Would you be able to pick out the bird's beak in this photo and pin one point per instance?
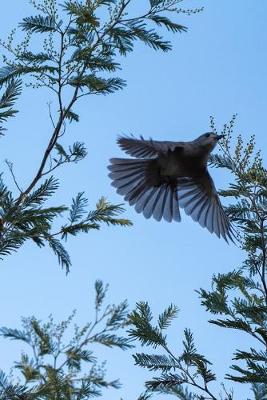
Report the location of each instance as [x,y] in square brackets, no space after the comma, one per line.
[218,137]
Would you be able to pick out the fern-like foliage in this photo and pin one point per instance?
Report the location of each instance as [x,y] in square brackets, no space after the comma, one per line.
[167,23]
[82,221]
[259,391]
[31,220]
[97,85]
[77,54]
[60,357]
[239,298]
[174,372]
[167,316]
[39,23]
[13,391]
[14,71]
[241,305]
[75,153]
[93,39]
[7,101]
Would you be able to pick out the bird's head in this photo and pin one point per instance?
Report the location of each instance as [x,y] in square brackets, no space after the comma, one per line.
[208,140]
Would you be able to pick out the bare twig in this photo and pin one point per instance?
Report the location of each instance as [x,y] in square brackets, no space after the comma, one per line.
[10,167]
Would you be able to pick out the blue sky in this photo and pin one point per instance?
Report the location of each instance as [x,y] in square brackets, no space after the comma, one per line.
[218,68]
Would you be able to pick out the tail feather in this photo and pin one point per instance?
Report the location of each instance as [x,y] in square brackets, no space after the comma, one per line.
[124,185]
[143,199]
[147,206]
[168,207]
[137,192]
[129,177]
[123,174]
[160,203]
[175,206]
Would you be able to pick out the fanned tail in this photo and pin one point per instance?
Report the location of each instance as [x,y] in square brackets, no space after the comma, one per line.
[130,177]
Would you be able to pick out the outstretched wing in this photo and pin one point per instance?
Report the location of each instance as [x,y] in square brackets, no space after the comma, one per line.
[199,199]
[141,148]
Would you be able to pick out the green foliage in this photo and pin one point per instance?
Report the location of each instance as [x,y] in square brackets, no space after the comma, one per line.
[237,299]
[7,101]
[82,221]
[241,295]
[14,71]
[72,116]
[88,43]
[77,152]
[167,23]
[76,55]
[39,23]
[52,367]
[259,391]
[167,316]
[187,368]
[142,328]
[30,220]
[97,85]
[10,391]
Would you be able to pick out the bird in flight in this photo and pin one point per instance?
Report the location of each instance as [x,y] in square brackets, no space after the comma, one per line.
[164,176]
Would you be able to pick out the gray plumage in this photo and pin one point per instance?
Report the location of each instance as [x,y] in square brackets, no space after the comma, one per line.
[164,176]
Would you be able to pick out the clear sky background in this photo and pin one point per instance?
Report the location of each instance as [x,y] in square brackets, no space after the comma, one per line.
[218,68]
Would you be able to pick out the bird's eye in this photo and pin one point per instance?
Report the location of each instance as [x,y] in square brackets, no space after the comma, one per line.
[207,134]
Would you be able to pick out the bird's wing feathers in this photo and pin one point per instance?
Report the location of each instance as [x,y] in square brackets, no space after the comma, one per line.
[141,148]
[199,199]
[197,196]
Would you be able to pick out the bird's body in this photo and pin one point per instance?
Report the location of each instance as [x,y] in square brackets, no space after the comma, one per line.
[182,161]
[166,175]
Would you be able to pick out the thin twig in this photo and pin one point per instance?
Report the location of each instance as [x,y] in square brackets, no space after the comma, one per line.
[191,381]
[10,167]
[50,114]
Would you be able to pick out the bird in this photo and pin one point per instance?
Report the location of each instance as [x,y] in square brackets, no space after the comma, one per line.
[163,176]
